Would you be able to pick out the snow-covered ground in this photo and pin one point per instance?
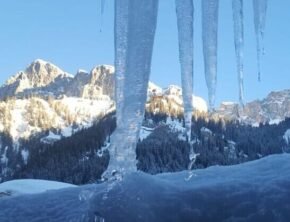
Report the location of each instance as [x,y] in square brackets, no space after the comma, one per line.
[145,132]
[30,186]
[255,191]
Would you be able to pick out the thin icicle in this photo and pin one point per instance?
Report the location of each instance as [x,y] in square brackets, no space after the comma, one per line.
[184,12]
[142,19]
[103,2]
[238,17]
[209,35]
[260,9]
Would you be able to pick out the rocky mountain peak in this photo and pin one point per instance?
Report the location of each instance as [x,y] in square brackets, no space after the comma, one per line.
[100,72]
[102,82]
[41,73]
[272,109]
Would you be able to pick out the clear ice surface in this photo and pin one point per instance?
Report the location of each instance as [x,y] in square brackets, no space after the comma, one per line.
[209,36]
[238,18]
[260,9]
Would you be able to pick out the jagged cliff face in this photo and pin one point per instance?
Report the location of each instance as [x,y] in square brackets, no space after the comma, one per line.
[39,74]
[45,79]
[273,109]
[101,82]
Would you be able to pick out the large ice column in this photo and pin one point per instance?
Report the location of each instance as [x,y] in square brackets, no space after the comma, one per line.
[121,46]
[238,17]
[142,19]
[184,13]
[209,36]
[260,9]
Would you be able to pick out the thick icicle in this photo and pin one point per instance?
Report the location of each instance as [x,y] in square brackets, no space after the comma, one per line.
[184,13]
[260,9]
[121,46]
[142,19]
[209,35]
[238,17]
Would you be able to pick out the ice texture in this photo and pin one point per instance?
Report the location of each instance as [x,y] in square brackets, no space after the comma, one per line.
[249,192]
[209,36]
[137,54]
[121,46]
[238,18]
[260,9]
[184,13]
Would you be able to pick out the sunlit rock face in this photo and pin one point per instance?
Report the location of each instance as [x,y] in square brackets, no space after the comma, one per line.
[273,109]
[45,79]
[41,73]
[38,74]
[101,82]
[169,100]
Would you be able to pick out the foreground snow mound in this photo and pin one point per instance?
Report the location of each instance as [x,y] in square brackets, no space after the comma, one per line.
[254,191]
[29,186]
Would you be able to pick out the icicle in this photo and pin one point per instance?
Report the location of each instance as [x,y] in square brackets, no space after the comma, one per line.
[121,46]
[102,13]
[142,19]
[184,12]
[238,17]
[103,6]
[209,35]
[260,9]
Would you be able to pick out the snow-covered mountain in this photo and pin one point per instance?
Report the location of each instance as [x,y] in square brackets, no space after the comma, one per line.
[273,109]
[44,79]
[39,74]
[169,100]
[43,97]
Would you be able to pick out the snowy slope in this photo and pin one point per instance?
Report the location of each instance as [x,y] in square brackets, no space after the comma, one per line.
[29,186]
[171,99]
[29,116]
[250,192]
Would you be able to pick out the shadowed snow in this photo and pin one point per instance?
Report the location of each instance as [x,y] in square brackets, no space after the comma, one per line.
[254,191]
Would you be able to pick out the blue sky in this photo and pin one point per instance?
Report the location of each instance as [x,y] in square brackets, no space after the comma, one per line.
[67,33]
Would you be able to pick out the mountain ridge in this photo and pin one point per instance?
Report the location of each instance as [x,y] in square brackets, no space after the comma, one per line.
[44,79]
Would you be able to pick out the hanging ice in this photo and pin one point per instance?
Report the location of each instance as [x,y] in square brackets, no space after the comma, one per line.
[260,9]
[209,35]
[184,13]
[142,17]
[102,13]
[121,46]
[103,6]
[238,17]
